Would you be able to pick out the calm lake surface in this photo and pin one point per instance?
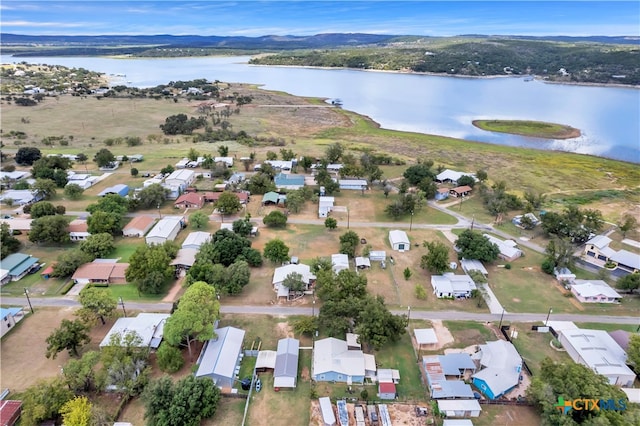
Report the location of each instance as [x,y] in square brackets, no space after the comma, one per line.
[609,117]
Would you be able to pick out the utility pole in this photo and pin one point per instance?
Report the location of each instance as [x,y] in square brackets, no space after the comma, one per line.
[121,302]
[26,293]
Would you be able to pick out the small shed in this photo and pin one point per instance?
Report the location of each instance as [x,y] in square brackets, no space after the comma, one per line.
[386,391]
[378,255]
[459,407]
[399,240]
[363,262]
[328,416]
[285,373]
[425,336]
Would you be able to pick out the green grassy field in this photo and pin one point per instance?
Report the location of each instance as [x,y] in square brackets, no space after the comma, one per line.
[533,347]
[537,129]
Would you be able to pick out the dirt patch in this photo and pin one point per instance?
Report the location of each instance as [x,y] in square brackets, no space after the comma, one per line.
[444,335]
[515,299]
[305,374]
[401,414]
[22,352]
[283,330]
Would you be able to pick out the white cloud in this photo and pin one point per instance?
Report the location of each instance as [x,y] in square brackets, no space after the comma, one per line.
[45,24]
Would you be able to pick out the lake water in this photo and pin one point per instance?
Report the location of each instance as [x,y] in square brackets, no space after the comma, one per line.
[609,117]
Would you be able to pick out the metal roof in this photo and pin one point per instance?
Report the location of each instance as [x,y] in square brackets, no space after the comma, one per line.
[220,355]
[286,368]
[592,288]
[18,263]
[326,409]
[396,236]
[149,326]
[502,365]
[196,239]
[425,336]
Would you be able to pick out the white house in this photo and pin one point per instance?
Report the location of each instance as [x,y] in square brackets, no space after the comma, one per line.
[165,230]
[196,239]
[399,240]
[598,248]
[282,272]
[594,291]
[220,357]
[182,163]
[353,184]
[451,176]
[450,285]
[333,360]
[339,262]
[228,161]
[20,197]
[597,350]
[459,407]
[325,205]
[508,248]
[280,164]
[182,178]
[149,326]
[8,318]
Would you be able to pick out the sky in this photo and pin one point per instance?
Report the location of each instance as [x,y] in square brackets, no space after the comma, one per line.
[256,18]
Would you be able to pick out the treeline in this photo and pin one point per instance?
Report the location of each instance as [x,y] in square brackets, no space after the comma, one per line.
[582,63]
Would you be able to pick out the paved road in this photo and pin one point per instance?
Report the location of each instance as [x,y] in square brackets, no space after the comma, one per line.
[288,311]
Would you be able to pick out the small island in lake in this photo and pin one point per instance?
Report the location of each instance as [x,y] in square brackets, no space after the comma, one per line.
[535,129]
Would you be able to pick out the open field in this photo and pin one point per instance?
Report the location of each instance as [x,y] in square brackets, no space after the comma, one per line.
[508,415]
[533,347]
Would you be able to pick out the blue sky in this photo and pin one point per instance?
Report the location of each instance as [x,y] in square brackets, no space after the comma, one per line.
[256,18]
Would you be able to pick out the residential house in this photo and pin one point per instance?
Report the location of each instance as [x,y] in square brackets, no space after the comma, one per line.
[325,206]
[196,239]
[280,164]
[451,176]
[449,285]
[282,272]
[191,200]
[227,161]
[181,178]
[442,194]
[20,197]
[101,271]
[165,230]
[285,373]
[17,266]
[533,220]
[339,262]
[463,408]
[501,366]
[399,240]
[23,225]
[508,248]
[119,189]
[152,181]
[457,364]
[597,350]
[78,230]
[598,248]
[83,180]
[353,184]
[8,179]
[333,168]
[594,291]
[138,226]
[236,178]
[274,198]
[439,386]
[388,375]
[334,361]
[8,318]
[148,326]
[182,164]
[461,191]
[185,258]
[469,265]
[220,357]
[110,167]
[284,181]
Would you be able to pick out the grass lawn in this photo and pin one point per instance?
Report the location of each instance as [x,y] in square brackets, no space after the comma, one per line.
[533,347]
[401,356]
[608,327]
[125,247]
[492,415]
[467,333]
[538,129]
[130,292]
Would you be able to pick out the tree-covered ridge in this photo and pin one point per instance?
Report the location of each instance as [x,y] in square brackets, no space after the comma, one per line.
[555,61]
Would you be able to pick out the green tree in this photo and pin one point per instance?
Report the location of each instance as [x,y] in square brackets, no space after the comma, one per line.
[276,251]
[346,283]
[69,261]
[60,178]
[45,188]
[330,223]
[305,325]
[49,229]
[198,219]
[42,208]
[294,282]
[474,245]
[104,157]
[101,222]
[275,219]
[169,358]
[98,245]
[261,183]
[334,152]
[149,268]
[482,175]
[8,243]
[228,203]
[271,156]
[416,173]
[633,352]
[26,156]
[124,359]
[406,273]
[243,227]
[193,155]
[348,243]
[295,201]
[436,260]
[96,303]
[467,180]
[111,203]
[223,150]
[152,196]
[70,336]
[77,412]
[134,172]
[187,402]
[573,381]
[376,325]
[628,223]
[560,252]
[80,375]
[238,275]
[73,191]
[43,401]
[197,311]
[630,282]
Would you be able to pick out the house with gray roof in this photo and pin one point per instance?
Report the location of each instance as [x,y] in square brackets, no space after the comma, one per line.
[594,291]
[451,176]
[469,265]
[598,248]
[196,239]
[8,318]
[148,326]
[339,262]
[18,265]
[353,184]
[501,366]
[279,274]
[508,248]
[220,357]
[333,361]
[450,285]
[165,230]
[20,197]
[285,373]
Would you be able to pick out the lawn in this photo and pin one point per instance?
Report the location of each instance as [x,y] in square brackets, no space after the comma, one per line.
[125,247]
[507,415]
[467,333]
[129,292]
[534,347]
[609,327]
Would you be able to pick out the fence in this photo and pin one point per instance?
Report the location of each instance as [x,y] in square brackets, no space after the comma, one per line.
[504,329]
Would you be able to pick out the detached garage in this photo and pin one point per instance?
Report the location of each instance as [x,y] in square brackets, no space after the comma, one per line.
[399,240]
[285,374]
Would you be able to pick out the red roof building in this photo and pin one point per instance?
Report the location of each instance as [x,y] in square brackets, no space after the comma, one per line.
[190,200]
[10,411]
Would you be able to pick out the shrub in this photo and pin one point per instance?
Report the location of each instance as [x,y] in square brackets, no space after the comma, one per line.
[421,293]
[169,358]
[507,266]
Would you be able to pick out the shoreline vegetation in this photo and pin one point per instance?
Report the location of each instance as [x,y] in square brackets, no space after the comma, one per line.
[534,129]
